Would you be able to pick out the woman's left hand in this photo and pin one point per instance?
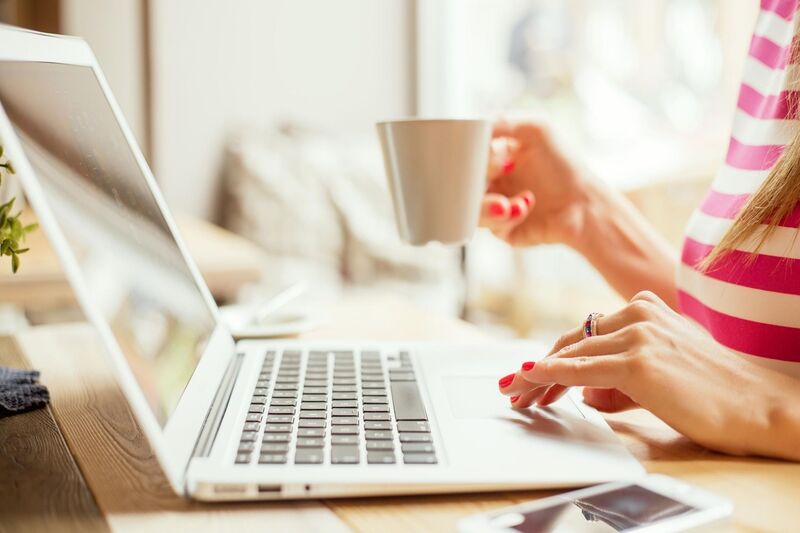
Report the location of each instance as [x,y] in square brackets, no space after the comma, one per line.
[647,355]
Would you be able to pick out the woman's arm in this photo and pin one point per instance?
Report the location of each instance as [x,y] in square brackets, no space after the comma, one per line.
[622,245]
[536,195]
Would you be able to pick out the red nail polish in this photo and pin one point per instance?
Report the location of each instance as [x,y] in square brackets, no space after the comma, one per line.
[527,199]
[496,209]
[514,399]
[516,211]
[506,381]
[508,167]
[528,365]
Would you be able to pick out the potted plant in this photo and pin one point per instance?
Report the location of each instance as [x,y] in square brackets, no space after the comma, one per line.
[12,232]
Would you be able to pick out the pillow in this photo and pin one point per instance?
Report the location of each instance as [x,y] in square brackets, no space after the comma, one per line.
[321,209]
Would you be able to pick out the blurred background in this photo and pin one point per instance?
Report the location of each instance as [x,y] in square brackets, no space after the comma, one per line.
[258,116]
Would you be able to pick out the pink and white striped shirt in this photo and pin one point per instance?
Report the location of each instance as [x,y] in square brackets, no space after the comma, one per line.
[752,308]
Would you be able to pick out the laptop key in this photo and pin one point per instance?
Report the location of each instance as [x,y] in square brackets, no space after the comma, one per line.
[272,459]
[344,439]
[251,426]
[274,410]
[314,397]
[278,428]
[412,426]
[316,383]
[247,447]
[274,447]
[380,457]
[344,421]
[344,455]
[311,432]
[407,401]
[283,401]
[373,385]
[375,408]
[344,412]
[280,419]
[374,392]
[375,400]
[419,459]
[415,437]
[253,417]
[380,445]
[276,437]
[256,408]
[378,435]
[313,414]
[284,394]
[378,425]
[242,458]
[345,388]
[344,430]
[286,386]
[314,406]
[310,442]
[417,447]
[376,417]
[248,436]
[258,399]
[260,391]
[345,396]
[316,390]
[308,456]
[264,383]
[352,404]
[312,423]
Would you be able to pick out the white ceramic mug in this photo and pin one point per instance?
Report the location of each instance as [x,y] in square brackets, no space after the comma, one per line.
[437,176]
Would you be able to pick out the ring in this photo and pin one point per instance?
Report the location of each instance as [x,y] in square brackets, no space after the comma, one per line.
[590,325]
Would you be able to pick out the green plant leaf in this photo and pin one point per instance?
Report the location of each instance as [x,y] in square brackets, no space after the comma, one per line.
[30,227]
[14,263]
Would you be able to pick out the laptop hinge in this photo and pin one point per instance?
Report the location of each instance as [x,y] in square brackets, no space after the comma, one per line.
[213,420]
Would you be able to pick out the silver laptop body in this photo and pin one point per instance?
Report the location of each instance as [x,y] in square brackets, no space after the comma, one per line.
[260,419]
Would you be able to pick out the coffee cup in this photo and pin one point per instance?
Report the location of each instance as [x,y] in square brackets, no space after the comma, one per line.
[436,170]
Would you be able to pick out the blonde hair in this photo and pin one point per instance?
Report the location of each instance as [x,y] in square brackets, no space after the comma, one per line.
[774,200]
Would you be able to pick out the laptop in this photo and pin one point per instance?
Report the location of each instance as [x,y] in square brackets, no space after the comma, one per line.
[260,419]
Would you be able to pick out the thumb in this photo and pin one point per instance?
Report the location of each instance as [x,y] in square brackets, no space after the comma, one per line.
[608,400]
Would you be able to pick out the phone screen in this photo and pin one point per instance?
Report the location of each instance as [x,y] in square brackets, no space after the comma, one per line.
[620,509]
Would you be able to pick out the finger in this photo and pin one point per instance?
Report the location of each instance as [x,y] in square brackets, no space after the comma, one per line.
[519,208]
[552,395]
[609,371]
[606,324]
[612,343]
[502,156]
[608,400]
[495,212]
[526,399]
[515,385]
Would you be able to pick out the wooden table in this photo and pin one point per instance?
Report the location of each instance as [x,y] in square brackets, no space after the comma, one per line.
[118,484]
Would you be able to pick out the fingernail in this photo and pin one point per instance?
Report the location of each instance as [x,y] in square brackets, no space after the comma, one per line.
[515,211]
[527,199]
[506,381]
[496,209]
[508,167]
[514,399]
[528,365]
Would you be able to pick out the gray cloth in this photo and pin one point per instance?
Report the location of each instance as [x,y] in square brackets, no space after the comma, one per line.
[20,392]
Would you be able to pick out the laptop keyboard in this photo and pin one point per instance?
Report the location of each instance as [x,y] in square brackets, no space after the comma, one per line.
[336,407]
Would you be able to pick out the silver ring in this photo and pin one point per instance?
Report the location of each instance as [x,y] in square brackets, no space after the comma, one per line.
[590,325]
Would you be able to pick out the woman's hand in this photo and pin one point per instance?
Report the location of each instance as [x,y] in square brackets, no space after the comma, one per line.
[647,355]
[534,194]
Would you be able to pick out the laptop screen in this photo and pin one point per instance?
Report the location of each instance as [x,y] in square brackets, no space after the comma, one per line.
[136,275]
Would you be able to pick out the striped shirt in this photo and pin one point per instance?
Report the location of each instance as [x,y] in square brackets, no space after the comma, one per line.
[752,308]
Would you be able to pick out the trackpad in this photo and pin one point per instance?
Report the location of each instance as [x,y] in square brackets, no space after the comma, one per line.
[473,397]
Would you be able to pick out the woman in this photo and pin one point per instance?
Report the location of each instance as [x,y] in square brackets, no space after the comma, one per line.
[715,353]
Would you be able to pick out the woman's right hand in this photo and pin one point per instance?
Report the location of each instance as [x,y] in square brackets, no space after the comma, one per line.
[534,194]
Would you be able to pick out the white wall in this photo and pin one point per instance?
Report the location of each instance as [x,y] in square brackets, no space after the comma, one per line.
[338,65]
[114,31]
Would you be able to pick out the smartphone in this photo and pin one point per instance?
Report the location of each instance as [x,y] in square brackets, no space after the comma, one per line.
[652,504]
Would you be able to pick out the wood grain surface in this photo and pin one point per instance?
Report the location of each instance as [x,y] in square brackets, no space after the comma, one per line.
[42,488]
[131,491]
